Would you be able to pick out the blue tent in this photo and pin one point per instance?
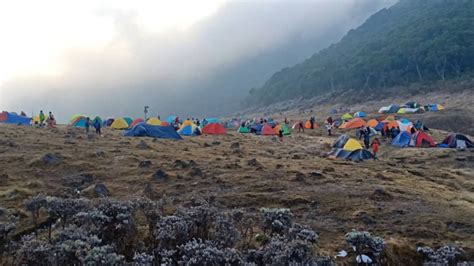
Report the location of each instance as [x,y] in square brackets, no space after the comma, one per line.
[189,130]
[257,128]
[402,140]
[212,120]
[360,114]
[379,126]
[393,108]
[359,155]
[340,153]
[12,118]
[129,120]
[146,130]
[170,119]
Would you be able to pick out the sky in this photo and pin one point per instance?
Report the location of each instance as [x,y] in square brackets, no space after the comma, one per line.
[112,57]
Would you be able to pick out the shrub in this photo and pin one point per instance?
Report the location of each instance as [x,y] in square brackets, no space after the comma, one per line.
[198,252]
[365,244]
[277,220]
[34,205]
[443,255]
[8,225]
[34,252]
[64,209]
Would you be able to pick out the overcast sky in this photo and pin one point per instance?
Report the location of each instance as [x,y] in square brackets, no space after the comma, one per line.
[113,57]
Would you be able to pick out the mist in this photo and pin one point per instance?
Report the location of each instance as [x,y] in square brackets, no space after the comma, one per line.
[205,69]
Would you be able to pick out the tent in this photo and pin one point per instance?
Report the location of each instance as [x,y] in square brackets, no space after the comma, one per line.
[256,128]
[284,128]
[359,155]
[129,120]
[421,139]
[74,117]
[384,109]
[354,123]
[339,153]
[402,140]
[211,120]
[164,124]
[267,130]
[119,123]
[145,130]
[137,121]
[97,118]
[187,122]
[341,141]
[435,107]
[36,119]
[352,145]
[189,130]
[405,125]
[11,118]
[153,121]
[243,130]
[453,140]
[346,116]
[390,118]
[79,121]
[401,111]
[372,123]
[296,126]
[412,104]
[391,124]
[108,122]
[360,114]
[214,129]
[393,108]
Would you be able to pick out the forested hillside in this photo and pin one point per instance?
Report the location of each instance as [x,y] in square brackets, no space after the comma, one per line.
[414,41]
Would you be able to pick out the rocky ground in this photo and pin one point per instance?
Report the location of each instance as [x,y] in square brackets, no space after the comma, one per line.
[410,196]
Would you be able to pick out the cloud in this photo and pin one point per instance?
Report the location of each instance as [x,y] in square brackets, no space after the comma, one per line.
[170,70]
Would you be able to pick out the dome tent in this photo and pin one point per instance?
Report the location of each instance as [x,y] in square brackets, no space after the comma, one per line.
[214,129]
[119,123]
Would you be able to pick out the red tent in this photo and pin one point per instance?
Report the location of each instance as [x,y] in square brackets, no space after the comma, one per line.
[137,121]
[165,124]
[268,130]
[215,129]
[421,139]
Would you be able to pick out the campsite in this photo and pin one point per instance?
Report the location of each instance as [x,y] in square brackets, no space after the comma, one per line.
[410,195]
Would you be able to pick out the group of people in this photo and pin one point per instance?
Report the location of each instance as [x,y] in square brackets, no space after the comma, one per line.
[50,121]
[96,123]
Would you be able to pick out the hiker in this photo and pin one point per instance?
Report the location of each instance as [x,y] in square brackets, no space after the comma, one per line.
[51,120]
[23,113]
[412,130]
[387,132]
[361,133]
[301,126]
[375,147]
[97,126]
[286,121]
[329,128]
[42,118]
[311,121]
[280,134]
[88,124]
[367,138]
[329,120]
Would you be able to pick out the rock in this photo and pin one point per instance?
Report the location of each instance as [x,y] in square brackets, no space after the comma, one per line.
[254,162]
[235,145]
[297,157]
[216,143]
[100,153]
[192,163]
[279,166]
[195,172]
[69,141]
[143,145]
[328,169]
[300,177]
[160,175]
[91,136]
[4,178]
[206,145]
[381,194]
[51,159]
[316,174]
[367,219]
[144,164]
[460,159]
[180,164]
[101,190]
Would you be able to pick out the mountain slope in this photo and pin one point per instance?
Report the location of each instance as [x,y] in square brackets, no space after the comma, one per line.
[412,41]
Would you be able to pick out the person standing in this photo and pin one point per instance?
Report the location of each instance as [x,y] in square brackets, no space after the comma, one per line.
[42,118]
[311,121]
[88,124]
[375,147]
[366,138]
[280,134]
[329,128]
[301,126]
[97,126]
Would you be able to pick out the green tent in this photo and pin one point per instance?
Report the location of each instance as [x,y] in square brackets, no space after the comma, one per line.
[346,116]
[286,130]
[243,130]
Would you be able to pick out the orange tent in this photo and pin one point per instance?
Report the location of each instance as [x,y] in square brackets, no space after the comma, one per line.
[354,123]
[372,123]
[390,124]
[268,130]
[165,124]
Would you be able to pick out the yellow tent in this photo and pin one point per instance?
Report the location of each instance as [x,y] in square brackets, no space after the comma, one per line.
[119,123]
[352,145]
[401,111]
[154,121]
[440,107]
